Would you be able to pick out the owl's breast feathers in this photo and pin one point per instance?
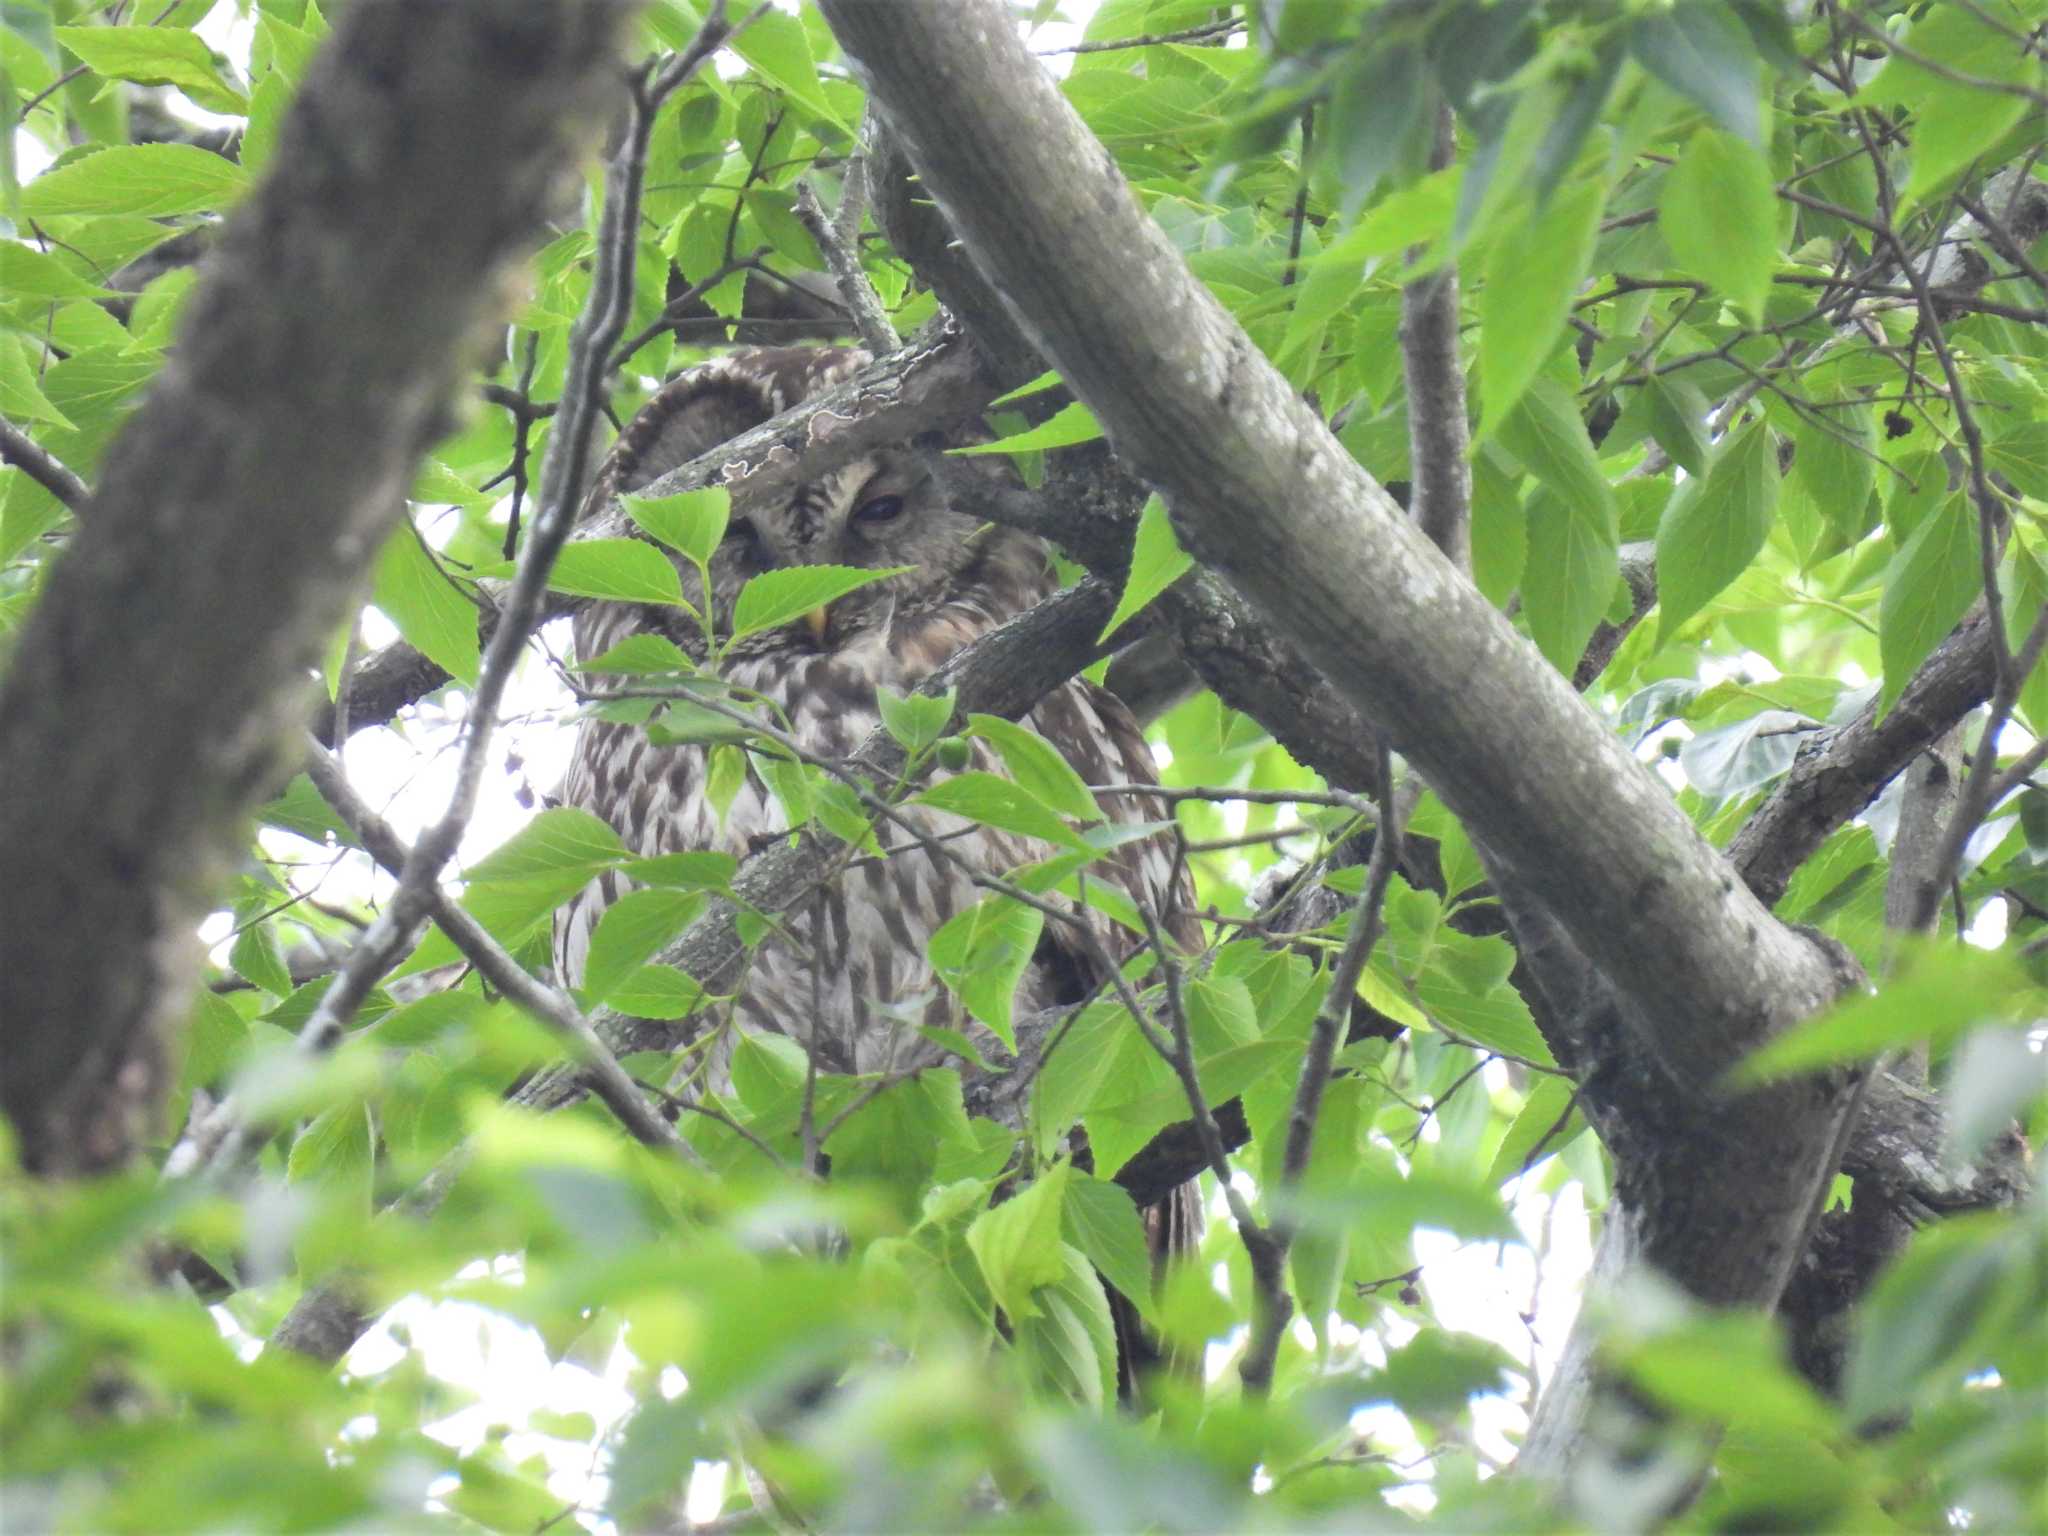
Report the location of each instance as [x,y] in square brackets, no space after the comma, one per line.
[846,969]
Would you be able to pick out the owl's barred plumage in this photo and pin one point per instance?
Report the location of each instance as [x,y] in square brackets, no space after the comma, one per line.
[968,578]
[856,982]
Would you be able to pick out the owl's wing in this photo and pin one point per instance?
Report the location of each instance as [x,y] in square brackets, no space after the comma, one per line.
[1096,734]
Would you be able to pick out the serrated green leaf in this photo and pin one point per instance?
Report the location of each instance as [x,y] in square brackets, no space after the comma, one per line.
[419,598]
[1714,525]
[564,840]
[641,655]
[1017,1244]
[632,931]
[981,955]
[258,957]
[1157,562]
[1072,423]
[27,273]
[996,802]
[150,55]
[1037,766]
[1719,216]
[1547,1120]
[153,179]
[2020,453]
[1068,1340]
[1837,466]
[1099,1219]
[21,397]
[702,869]
[690,522]
[1945,991]
[623,570]
[1700,50]
[775,598]
[915,720]
[658,992]
[1954,121]
[1928,587]
[1532,277]
[774,42]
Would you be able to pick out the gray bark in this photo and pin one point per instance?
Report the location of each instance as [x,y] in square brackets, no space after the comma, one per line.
[1264,496]
[235,518]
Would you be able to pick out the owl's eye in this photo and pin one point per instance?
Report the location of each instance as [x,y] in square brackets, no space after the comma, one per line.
[741,531]
[882,509]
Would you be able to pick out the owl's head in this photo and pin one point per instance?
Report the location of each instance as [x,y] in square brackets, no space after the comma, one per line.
[886,509]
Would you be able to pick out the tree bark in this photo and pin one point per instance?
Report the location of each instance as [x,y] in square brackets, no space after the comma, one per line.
[156,695]
[1264,496]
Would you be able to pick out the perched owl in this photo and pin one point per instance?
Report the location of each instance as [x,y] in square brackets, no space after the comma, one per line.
[872,984]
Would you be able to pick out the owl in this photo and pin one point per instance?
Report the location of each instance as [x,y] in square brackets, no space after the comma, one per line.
[852,982]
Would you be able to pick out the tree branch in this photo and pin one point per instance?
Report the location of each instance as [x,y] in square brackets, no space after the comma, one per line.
[143,717]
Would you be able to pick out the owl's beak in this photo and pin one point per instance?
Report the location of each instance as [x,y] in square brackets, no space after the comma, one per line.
[817,621]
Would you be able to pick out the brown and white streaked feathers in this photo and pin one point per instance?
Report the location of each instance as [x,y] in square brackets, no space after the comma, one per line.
[881,511]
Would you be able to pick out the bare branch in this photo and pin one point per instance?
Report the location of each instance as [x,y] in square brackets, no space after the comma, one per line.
[42,466]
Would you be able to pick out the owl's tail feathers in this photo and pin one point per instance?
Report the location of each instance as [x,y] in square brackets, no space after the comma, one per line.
[1173,1233]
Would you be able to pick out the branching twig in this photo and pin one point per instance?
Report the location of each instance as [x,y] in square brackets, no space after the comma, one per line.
[843,257]
[1325,1036]
[606,1078]
[562,478]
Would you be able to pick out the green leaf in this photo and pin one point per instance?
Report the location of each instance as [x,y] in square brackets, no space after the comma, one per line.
[153,179]
[702,869]
[563,840]
[641,655]
[996,802]
[1957,1287]
[425,605]
[775,43]
[623,570]
[27,273]
[1677,415]
[1700,50]
[1928,587]
[333,1149]
[1947,989]
[1547,1120]
[1953,121]
[915,720]
[155,56]
[658,992]
[1068,1339]
[1100,1220]
[1017,1244]
[1836,464]
[774,598]
[632,931]
[1719,216]
[724,772]
[1532,276]
[1157,562]
[258,957]
[1573,564]
[2021,455]
[21,397]
[981,955]
[1037,766]
[690,522]
[1070,424]
[1714,526]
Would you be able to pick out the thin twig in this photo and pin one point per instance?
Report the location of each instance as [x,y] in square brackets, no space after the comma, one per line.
[625,1098]
[869,317]
[42,466]
[563,474]
[1255,1370]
